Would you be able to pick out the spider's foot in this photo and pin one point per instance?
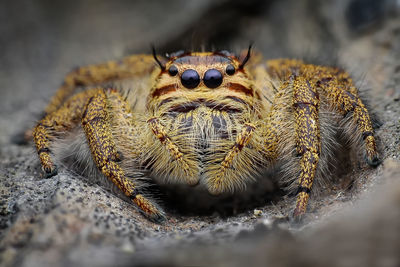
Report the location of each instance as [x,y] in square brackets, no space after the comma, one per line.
[296,219]
[49,168]
[148,209]
[298,215]
[374,161]
[158,218]
[303,194]
[371,154]
[50,171]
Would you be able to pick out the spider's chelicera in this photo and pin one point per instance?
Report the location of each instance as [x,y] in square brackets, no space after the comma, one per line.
[205,118]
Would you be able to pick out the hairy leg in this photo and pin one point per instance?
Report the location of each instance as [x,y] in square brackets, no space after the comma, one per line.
[339,88]
[55,123]
[220,179]
[188,166]
[343,95]
[308,143]
[96,124]
[128,67]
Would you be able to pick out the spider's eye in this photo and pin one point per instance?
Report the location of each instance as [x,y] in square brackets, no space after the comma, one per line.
[230,69]
[173,70]
[212,78]
[190,78]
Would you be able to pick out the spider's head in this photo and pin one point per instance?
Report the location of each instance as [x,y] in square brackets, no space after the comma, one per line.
[203,75]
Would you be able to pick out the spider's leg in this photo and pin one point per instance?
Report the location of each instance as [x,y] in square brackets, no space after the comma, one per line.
[128,67]
[96,124]
[221,180]
[343,95]
[55,123]
[191,176]
[308,143]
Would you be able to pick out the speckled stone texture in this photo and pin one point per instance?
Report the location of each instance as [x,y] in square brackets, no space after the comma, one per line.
[72,221]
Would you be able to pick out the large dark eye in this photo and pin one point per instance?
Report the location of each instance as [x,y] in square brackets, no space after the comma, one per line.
[190,79]
[230,69]
[173,70]
[212,78]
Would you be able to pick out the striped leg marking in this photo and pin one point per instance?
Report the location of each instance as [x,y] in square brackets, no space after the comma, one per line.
[220,182]
[191,176]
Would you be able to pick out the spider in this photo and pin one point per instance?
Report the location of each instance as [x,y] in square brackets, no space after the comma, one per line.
[211,119]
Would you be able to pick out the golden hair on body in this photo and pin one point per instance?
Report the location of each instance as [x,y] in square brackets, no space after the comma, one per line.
[206,119]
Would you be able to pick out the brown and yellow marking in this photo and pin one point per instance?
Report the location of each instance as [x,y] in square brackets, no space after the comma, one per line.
[95,122]
[308,143]
[164,90]
[217,183]
[241,141]
[343,95]
[240,88]
[168,86]
[61,120]
[128,67]
[249,94]
[158,130]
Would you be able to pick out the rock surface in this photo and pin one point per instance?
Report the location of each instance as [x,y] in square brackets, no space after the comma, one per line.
[67,220]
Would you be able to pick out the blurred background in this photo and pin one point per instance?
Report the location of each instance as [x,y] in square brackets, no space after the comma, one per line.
[64,221]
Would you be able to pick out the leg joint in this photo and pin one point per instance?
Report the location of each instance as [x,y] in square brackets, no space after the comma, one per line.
[133,194]
[303,189]
[366,134]
[43,150]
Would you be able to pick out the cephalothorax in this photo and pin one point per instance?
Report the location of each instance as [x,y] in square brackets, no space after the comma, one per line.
[205,119]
